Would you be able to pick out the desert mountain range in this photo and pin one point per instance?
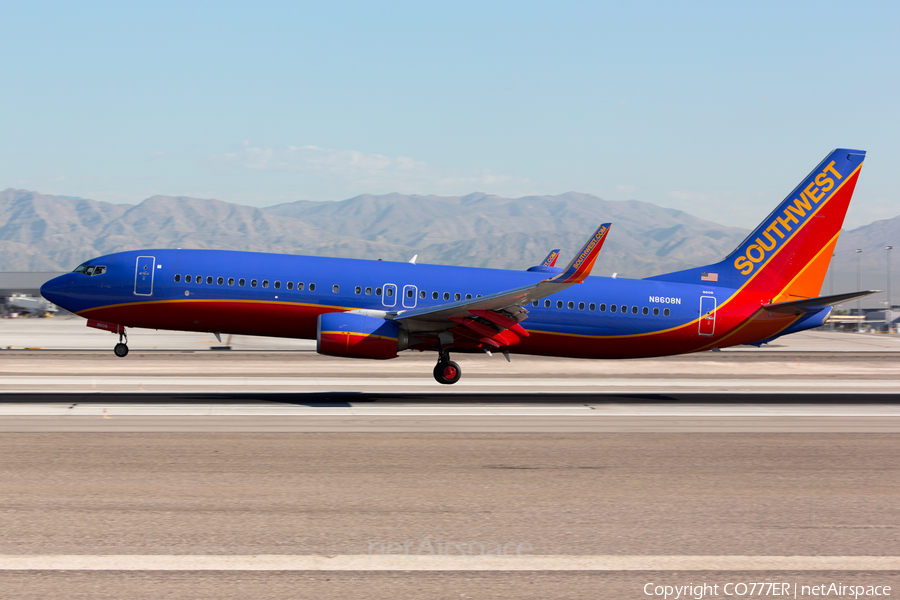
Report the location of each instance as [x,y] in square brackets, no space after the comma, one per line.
[41,232]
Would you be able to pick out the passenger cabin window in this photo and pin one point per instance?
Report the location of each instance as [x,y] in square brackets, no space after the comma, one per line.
[592,306]
[603,308]
[312,287]
[220,280]
[209,280]
[300,286]
[265,283]
[187,278]
[535,303]
[335,288]
[252,283]
[368,291]
[434,295]
[559,304]
[456,297]
[581,306]
[377,291]
[655,311]
[357,290]
[422,294]
[546,304]
[645,311]
[198,278]
[409,293]
[624,309]
[389,292]
[290,285]
[277,285]
[446,295]
[242,281]
[177,278]
[468,296]
[634,310]
[231,281]
[666,312]
[571,305]
[612,308]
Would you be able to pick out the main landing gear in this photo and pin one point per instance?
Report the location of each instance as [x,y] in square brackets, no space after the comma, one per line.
[446,371]
[121,349]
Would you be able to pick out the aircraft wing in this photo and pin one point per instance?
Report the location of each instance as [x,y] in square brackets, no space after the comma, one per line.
[796,307]
[504,309]
[550,261]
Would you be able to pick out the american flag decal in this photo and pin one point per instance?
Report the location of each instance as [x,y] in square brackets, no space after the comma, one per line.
[709,276]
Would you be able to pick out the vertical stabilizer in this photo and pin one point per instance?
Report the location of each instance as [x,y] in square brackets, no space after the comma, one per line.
[787,255]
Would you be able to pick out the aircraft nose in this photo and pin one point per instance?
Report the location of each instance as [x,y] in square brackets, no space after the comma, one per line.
[54,290]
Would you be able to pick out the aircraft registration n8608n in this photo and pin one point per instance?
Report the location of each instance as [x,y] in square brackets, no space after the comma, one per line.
[767,287]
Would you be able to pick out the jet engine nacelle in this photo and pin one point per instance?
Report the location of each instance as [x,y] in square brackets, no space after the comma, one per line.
[357,335]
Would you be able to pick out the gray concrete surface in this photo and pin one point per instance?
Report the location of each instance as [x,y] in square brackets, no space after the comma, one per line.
[61,333]
[746,455]
[567,494]
[459,413]
[81,371]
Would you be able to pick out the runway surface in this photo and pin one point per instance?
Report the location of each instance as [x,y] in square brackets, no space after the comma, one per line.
[806,508]
[263,474]
[460,413]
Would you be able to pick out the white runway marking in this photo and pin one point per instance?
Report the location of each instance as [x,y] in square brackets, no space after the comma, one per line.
[68,384]
[96,407]
[280,562]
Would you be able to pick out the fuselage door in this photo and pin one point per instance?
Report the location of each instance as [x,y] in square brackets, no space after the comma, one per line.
[143,275]
[389,297]
[707,315]
[409,296]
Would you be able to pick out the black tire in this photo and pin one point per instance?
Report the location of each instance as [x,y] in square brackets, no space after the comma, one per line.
[121,350]
[447,372]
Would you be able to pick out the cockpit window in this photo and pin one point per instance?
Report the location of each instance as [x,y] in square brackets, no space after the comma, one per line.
[90,270]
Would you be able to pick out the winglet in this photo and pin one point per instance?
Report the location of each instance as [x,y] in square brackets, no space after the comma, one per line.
[581,265]
[550,261]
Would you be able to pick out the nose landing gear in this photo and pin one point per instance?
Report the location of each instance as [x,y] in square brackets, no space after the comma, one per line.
[446,371]
[121,349]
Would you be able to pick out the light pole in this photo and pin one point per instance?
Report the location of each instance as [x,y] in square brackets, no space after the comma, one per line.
[889,314]
[858,288]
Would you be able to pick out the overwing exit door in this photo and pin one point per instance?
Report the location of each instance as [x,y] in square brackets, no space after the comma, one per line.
[707,315]
[143,275]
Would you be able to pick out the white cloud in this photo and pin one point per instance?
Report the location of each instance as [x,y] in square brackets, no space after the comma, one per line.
[369,172]
[628,189]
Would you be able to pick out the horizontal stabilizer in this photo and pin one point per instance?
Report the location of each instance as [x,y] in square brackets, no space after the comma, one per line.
[813,304]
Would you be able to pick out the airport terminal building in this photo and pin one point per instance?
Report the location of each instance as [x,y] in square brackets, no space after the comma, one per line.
[20,292]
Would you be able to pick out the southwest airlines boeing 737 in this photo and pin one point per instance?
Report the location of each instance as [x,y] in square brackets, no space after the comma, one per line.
[767,287]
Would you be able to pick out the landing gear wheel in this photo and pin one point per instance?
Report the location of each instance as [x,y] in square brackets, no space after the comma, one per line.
[447,372]
[121,350]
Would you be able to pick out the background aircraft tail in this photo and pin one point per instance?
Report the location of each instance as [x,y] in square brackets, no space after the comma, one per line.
[787,255]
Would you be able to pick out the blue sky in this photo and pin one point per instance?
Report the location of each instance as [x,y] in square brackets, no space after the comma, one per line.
[715,108]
